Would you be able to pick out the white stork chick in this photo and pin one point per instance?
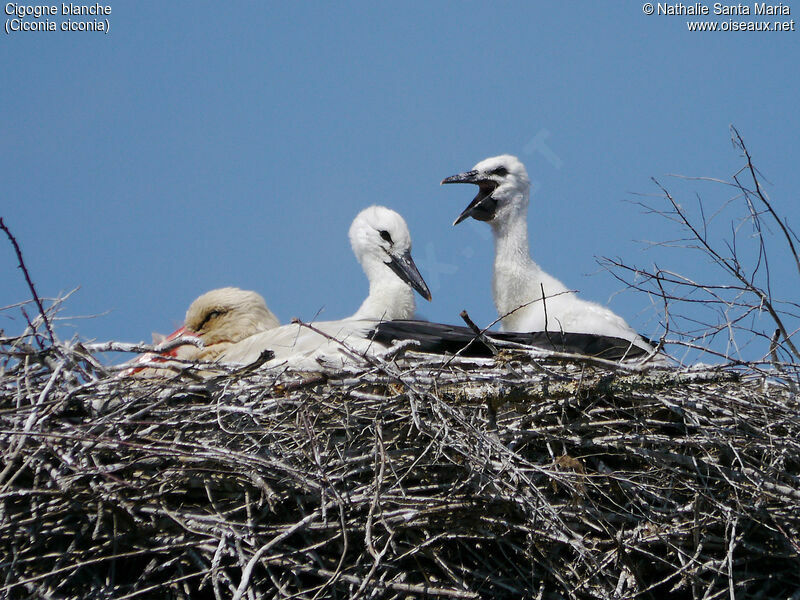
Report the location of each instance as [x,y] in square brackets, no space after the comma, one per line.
[223,317]
[219,318]
[517,283]
[382,244]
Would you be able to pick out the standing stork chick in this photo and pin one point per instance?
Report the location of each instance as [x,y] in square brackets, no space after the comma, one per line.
[517,283]
[382,244]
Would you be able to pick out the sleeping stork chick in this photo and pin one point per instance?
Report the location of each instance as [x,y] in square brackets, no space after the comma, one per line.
[219,318]
[223,317]
[382,244]
[517,283]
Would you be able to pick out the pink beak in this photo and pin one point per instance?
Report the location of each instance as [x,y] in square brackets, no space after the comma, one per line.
[151,357]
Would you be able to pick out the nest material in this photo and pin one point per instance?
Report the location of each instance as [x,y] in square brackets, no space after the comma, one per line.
[424,477]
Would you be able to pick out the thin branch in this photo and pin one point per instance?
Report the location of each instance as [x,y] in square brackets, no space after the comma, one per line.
[22,266]
[759,192]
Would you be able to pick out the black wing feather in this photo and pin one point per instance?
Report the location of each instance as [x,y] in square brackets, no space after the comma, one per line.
[439,338]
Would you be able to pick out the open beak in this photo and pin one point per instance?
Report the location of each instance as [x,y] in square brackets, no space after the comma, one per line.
[405,269]
[468,177]
[483,206]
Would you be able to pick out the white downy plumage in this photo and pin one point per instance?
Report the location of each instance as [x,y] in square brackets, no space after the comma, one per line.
[382,244]
[225,316]
[219,318]
[518,281]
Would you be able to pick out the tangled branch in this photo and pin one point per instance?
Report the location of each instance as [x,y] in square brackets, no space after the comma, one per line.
[416,476]
[745,290]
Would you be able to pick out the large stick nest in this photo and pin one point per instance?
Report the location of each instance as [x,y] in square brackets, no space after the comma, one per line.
[421,477]
[418,477]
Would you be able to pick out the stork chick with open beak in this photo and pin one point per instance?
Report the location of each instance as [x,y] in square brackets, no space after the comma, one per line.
[502,201]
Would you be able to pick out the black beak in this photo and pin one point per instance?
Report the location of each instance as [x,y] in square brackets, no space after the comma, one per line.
[405,269]
[468,177]
[483,206]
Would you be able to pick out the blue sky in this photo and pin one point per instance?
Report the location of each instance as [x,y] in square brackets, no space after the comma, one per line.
[202,144]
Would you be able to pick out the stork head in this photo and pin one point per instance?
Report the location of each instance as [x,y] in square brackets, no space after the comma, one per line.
[229,315]
[382,243]
[503,188]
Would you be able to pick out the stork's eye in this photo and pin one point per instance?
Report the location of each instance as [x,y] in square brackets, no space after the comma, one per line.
[212,315]
[502,171]
[385,235]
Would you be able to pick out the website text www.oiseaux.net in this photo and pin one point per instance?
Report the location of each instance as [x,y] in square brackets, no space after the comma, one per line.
[731,25]
[730,15]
